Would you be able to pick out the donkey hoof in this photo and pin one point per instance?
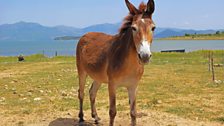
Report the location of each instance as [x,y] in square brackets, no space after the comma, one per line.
[81,120]
[97,119]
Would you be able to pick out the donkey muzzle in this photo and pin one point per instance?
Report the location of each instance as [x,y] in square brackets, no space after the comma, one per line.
[145,58]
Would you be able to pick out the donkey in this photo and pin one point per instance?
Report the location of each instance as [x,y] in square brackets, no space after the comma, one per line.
[117,60]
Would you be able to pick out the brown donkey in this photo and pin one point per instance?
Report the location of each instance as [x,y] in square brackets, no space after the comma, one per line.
[117,60]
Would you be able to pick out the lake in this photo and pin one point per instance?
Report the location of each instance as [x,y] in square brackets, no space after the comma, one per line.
[49,48]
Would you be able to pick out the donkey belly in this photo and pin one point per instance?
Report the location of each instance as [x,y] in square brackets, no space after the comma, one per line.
[99,76]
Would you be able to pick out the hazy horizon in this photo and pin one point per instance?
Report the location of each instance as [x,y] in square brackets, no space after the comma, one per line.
[222,29]
[191,14]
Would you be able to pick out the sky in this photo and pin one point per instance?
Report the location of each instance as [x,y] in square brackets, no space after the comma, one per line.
[187,14]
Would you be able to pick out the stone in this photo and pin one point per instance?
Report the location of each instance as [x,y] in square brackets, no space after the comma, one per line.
[2,99]
[37,99]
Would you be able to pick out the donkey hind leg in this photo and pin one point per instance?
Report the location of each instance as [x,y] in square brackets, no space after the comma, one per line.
[132,101]
[82,80]
[92,95]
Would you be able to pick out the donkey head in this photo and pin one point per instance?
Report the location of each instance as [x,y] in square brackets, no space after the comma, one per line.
[142,27]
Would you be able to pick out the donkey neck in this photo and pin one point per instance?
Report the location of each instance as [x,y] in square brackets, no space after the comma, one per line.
[121,49]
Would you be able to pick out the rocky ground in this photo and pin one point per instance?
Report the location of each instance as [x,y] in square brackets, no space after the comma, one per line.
[145,118]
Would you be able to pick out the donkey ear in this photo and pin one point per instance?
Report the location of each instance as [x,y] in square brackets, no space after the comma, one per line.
[150,8]
[132,9]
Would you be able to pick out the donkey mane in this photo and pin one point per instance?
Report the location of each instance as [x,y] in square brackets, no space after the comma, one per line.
[127,22]
[119,48]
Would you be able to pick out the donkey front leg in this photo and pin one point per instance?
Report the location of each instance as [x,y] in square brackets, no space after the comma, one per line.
[92,94]
[112,99]
[132,101]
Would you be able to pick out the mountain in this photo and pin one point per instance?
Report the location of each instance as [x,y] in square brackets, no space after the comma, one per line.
[169,32]
[107,28]
[25,31]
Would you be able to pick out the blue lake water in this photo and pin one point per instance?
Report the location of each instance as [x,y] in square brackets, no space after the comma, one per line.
[49,48]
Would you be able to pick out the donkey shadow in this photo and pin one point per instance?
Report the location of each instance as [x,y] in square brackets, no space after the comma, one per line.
[71,122]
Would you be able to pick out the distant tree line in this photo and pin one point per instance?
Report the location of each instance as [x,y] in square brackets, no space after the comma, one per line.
[67,38]
[195,34]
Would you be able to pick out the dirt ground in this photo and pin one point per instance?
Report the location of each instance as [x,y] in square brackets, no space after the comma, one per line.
[145,118]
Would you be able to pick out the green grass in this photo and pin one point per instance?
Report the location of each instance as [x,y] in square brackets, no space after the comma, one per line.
[177,83]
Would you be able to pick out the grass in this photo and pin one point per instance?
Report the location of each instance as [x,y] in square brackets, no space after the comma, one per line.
[173,82]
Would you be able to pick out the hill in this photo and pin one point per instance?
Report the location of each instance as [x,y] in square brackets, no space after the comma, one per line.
[26,31]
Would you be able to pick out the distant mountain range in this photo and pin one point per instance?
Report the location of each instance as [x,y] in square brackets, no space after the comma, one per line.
[24,31]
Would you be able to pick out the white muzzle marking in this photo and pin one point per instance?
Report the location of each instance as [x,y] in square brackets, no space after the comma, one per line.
[144,48]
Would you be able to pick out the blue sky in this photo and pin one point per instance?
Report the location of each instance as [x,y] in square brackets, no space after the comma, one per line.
[188,14]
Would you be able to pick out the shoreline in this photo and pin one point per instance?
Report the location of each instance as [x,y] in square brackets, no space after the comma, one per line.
[182,38]
[195,37]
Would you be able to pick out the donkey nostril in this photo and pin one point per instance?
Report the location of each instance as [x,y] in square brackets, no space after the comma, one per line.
[145,56]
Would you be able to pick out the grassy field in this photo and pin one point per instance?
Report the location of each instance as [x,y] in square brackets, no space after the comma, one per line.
[216,36]
[175,83]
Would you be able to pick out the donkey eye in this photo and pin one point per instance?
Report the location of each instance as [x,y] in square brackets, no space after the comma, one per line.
[153,28]
[134,28]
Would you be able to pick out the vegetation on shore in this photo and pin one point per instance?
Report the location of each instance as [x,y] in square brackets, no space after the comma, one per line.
[216,36]
[177,83]
[67,38]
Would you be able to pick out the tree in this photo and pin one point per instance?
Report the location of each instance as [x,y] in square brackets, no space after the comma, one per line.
[217,33]
[187,34]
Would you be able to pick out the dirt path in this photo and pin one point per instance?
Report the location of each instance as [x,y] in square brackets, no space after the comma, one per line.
[145,118]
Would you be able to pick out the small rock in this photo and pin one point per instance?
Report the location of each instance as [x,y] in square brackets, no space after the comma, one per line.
[13,81]
[23,99]
[14,92]
[29,94]
[49,91]
[218,81]
[41,91]
[63,93]
[2,99]
[13,89]
[37,99]
[58,79]
[159,101]
[73,89]
[31,90]
[21,95]
[52,99]
[196,118]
